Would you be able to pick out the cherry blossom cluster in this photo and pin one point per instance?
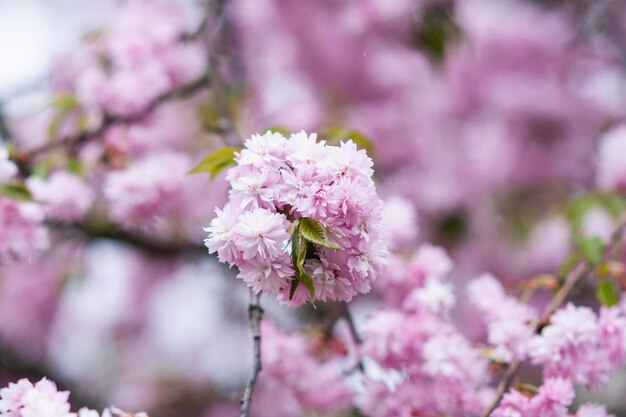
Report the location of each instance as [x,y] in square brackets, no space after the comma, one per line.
[412,345]
[580,346]
[577,345]
[63,195]
[138,57]
[42,399]
[553,399]
[305,371]
[418,360]
[150,187]
[23,234]
[612,160]
[278,185]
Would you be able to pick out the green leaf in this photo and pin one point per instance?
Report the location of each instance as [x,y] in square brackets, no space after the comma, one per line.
[217,161]
[292,290]
[298,248]
[568,264]
[315,232]
[613,203]
[279,129]
[16,191]
[607,292]
[65,101]
[592,249]
[43,167]
[436,30]
[306,279]
[75,166]
[64,104]
[576,211]
[298,253]
[333,135]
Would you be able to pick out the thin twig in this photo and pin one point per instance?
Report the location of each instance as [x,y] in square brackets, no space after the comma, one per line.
[355,337]
[218,11]
[580,271]
[5,133]
[255,314]
[192,36]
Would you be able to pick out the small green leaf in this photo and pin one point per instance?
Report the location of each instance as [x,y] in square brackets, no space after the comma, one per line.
[64,104]
[306,279]
[292,290]
[607,292]
[333,135]
[613,203]
[16,191]
[65,101]
[298,254]
[43,167]
[315,232]
[75,166]
[592,249]
[217,161]
[568,264]
[576,211]
[436,30]
[279,129]
[298,248]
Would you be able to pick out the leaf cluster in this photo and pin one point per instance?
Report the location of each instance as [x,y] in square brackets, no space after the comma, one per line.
[307,234]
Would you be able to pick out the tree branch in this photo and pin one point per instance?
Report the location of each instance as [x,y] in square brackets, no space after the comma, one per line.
[217,10]
[355,336]
[5,134]
[147,244]
[192,36]
[255,314]
[26,157]
[579,272]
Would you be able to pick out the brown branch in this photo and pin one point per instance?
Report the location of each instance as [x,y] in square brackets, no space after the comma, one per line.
[147,244]
[355,337]
[217,11]
[5,133]
[255,315]
[192,36]
[26,157]
[579,272]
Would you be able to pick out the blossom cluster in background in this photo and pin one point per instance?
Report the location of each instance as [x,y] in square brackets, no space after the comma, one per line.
[23,399]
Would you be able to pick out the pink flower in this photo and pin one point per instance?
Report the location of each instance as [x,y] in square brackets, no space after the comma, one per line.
[580,347]
[261,234]
[147,188]
[221,239]
[40,400]
[611,160]
[276,182]
[592,410]
[509,323]
[269,275]
[310,382]
[7,168]
[65,196]
[400,218]
[23,233]
[552,400]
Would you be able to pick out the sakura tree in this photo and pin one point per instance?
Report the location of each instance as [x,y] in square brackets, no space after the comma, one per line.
[332,208]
